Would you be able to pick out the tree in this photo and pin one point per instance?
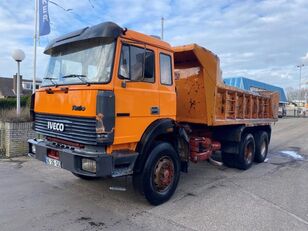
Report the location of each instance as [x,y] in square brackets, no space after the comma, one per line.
[293,94]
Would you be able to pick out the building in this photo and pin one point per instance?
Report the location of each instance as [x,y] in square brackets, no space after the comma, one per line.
[8,86]
[253,85]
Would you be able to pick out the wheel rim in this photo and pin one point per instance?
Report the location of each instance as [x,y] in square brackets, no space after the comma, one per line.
[263,149]
[249,152]
[163,174]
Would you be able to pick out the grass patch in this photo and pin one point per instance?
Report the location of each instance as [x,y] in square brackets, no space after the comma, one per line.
[9,115]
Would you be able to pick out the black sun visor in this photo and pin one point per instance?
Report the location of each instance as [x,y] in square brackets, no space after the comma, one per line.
[102,30]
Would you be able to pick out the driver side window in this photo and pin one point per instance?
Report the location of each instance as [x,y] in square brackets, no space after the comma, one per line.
[136,64]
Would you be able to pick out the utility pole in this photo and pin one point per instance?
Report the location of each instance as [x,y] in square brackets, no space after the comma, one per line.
[34,47]
[162,28]
[300,81]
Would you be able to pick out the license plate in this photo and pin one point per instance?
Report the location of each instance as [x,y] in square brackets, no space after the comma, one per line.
[53,162]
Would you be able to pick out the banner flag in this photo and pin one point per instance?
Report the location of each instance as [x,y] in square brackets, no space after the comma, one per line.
[44,24]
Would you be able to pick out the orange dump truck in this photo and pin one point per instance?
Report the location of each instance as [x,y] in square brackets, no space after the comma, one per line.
[115,102]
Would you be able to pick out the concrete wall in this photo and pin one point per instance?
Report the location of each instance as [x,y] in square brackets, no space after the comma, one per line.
[13,138]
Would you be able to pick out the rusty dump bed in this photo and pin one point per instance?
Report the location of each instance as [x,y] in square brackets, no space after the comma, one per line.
[203,98]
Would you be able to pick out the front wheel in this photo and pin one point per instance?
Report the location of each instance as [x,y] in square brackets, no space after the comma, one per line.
[161,174]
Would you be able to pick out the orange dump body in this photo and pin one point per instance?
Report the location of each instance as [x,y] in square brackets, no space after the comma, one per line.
[203,98]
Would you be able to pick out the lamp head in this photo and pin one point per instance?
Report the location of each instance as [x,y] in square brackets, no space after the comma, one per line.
[18,55]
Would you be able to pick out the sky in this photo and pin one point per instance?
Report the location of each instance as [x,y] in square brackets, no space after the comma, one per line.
[262,40]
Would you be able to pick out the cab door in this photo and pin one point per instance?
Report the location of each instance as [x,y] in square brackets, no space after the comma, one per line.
[136,91]
[166,86]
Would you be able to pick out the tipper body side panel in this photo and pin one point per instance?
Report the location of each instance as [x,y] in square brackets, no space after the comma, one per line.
[203,98]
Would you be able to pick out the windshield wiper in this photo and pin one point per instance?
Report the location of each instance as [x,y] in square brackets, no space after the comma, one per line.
[51,80]
[77,76]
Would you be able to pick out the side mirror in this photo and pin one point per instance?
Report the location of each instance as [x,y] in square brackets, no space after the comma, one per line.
[123,83]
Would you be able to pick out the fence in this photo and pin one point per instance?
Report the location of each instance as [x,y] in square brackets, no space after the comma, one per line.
[296,113]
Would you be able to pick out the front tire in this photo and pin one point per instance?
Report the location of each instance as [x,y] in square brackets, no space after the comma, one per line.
[161,174]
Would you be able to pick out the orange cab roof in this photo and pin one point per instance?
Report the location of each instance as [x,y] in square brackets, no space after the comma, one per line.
[151,40]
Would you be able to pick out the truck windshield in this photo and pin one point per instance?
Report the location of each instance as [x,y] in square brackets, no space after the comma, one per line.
[92,60]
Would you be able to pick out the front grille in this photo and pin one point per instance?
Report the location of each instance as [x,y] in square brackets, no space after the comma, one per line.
[76,129]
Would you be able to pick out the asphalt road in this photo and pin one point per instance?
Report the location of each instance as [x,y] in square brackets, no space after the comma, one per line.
[269,196]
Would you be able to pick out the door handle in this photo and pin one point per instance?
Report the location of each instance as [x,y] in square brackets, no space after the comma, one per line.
[155,110]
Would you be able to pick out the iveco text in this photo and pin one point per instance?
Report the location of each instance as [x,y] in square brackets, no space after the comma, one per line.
[55,126]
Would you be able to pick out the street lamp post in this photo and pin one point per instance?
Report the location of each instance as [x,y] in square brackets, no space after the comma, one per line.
[300,80]
[162,28]
[18,55]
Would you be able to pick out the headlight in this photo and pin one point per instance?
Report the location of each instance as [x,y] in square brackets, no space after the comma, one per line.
[88,165]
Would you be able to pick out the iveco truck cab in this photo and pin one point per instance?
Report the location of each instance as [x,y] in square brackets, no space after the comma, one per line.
[102,99]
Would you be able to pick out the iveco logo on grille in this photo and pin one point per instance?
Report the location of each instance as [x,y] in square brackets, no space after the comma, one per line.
[55,126]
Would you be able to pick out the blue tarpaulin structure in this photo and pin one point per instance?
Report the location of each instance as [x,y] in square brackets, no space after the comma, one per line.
[253,85]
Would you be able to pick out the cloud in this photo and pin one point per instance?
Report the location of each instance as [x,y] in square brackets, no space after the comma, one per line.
[263,40]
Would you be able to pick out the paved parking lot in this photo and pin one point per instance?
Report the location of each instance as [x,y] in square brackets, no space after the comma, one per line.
[269,196]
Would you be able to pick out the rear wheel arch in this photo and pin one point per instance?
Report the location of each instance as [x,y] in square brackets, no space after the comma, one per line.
[241,131]
[231,133]
[257,129]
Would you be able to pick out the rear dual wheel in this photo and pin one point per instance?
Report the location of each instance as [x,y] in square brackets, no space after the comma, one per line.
[246,152]
[245,156]
[251,148]
[262,142]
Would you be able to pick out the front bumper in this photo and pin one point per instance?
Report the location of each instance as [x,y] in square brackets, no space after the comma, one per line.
[71,159]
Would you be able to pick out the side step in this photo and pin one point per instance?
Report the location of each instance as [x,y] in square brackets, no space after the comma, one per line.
[122,171]
[123,163]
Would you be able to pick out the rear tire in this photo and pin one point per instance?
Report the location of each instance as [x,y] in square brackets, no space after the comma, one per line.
[246,152]
[161,174]
[262,142]
[243,158]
